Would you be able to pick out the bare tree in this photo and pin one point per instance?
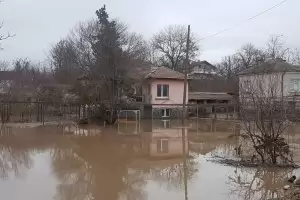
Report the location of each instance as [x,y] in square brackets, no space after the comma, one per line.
[276,48]
[25,78]
[3,36]
[100,53]
[264,117]
[246,57]
[249,56]
[64,60]
[4,66]
[136,47]
[295,56]
[170,46]
[103,51]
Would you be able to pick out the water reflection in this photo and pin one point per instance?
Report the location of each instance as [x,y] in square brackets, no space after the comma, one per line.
[159,159]
[114,166]
[14,153]
[258,183]
[95,168]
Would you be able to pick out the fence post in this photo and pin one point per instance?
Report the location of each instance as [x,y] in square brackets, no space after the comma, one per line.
[234,112]
[227,115]
[79,110]
[215,112]
[7,112]
[38,112]
[43,114]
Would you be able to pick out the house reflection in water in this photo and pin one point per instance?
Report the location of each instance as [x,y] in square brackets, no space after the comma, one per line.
[75,129]
[165,140]
[158,139]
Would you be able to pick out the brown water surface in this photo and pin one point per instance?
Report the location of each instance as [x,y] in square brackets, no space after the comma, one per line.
[131,161]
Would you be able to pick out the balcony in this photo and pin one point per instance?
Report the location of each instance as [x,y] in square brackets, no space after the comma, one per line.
[145,99]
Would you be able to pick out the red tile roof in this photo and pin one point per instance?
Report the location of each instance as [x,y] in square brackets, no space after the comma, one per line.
[164,73]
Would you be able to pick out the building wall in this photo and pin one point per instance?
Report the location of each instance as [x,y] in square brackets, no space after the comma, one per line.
[261,84]
[176,88]
[272,80]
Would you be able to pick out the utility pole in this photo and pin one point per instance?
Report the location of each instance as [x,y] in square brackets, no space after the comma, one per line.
[184,113]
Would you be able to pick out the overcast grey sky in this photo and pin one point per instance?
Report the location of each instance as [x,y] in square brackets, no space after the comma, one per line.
[38,24]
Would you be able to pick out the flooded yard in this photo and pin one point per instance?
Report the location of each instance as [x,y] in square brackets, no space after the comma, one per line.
[132,161]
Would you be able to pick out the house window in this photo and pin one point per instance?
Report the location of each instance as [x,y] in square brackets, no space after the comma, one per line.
[134,89]
[162,146]
[165,112]
[246,86]
[296,85]
[166,123]
[162,90]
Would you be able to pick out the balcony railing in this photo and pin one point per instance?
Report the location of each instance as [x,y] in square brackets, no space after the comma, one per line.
[142,99]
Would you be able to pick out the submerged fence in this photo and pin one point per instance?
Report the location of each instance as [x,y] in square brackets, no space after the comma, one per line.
[23,111]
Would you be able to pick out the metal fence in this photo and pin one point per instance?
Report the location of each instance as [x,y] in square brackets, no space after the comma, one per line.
[37,111]
[21,111]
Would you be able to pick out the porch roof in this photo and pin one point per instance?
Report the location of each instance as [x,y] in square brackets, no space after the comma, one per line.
[209,96]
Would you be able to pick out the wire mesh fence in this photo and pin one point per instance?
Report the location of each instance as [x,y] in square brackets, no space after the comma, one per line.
[22,111]
[37,111]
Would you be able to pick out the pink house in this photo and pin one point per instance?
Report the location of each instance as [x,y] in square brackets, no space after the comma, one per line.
[164,89]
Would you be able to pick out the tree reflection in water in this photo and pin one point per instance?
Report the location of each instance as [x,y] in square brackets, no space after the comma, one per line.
[260,184]
[173,176]
[14,153]
[111,168]
[96,168]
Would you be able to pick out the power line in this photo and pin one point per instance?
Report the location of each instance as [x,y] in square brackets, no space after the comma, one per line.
[244,21]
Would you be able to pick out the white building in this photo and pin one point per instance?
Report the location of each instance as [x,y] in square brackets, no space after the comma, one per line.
[275,78]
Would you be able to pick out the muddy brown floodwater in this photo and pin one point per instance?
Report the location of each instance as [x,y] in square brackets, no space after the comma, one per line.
[150,160]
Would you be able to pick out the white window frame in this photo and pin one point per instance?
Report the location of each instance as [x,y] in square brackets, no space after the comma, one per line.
[296,82]
[166,123]
[164,110]
[134,89]
[160,147]
[161,95]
